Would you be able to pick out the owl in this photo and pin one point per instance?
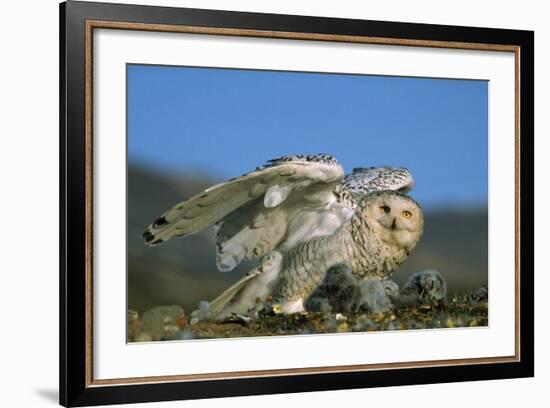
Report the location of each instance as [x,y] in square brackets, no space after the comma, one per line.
[378,296]
[299,215]
[424,287]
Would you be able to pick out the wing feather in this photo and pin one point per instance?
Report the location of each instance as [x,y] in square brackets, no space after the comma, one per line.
[288,201]
[286,175]
[365,180]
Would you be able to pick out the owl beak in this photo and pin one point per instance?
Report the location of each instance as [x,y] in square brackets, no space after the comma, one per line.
[393,224]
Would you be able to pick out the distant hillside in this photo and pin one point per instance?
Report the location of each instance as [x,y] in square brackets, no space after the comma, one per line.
[180,271]
[184,271]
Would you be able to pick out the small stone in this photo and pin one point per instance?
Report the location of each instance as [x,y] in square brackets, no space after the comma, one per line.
[202,314]
[160,323]
[340,316]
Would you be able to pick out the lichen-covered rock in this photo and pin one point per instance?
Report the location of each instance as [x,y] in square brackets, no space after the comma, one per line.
[161,323]
[133,324]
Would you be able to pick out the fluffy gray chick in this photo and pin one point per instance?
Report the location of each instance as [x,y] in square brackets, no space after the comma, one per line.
[424,287]
[378,296]
[338,292]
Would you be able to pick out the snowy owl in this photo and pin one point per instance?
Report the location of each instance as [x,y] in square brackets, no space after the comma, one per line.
[299,215]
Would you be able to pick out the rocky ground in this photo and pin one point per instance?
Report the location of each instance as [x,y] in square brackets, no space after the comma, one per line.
[172,323]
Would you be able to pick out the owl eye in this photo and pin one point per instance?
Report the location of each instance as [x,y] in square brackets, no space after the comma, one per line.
[385,209]
[407,214]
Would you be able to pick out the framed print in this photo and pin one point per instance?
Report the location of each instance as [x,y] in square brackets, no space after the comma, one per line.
[256,203]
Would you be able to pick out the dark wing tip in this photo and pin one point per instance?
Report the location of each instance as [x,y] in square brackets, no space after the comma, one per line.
[150,239]
[160,221]
[324,158]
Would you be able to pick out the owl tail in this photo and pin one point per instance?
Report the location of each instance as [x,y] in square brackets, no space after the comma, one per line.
[260,282]
[217,305]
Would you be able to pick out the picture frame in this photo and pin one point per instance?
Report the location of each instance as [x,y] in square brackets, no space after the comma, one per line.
[79,21]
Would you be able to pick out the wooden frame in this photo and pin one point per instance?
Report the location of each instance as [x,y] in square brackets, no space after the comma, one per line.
[77,22]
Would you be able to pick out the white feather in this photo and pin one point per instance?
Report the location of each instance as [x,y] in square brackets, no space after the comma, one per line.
[275,195]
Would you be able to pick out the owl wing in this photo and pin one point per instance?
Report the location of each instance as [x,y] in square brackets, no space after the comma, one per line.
[290,199]
[317,212]
[365,180]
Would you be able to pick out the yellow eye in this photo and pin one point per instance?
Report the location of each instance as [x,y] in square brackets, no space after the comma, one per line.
[385,209]
[407,214]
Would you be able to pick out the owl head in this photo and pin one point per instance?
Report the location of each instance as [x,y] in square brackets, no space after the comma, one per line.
[395,218]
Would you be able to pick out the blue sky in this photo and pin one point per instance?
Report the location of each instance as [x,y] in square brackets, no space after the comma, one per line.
[227,121]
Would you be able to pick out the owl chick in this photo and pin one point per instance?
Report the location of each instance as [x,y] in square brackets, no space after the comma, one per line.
[424,287]
[378,296]
[338,292]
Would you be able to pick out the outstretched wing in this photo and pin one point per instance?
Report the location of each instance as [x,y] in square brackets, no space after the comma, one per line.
[365,180]
[253,231]
[256,212]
